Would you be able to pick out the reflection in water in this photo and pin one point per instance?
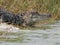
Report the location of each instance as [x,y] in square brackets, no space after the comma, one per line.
[30,37]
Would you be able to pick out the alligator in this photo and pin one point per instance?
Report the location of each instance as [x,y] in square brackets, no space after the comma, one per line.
[28,18]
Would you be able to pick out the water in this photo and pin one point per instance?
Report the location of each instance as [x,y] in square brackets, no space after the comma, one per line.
[14,36]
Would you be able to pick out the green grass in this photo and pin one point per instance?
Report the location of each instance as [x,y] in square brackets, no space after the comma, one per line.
[7,39]
[42,6]
[43,27]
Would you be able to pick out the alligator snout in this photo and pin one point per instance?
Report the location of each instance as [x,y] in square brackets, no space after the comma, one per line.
[31,18]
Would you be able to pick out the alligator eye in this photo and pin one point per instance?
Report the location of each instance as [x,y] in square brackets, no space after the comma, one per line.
[50,15]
